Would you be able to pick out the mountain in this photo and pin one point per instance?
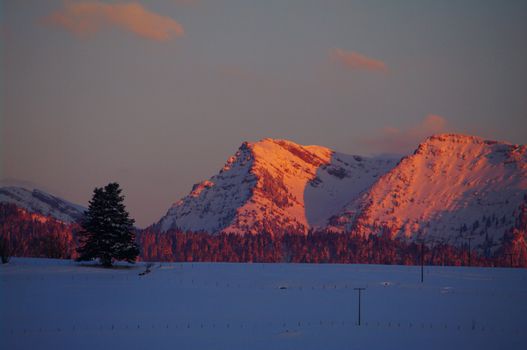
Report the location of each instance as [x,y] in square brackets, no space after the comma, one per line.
[451,188]
[275,186]
[35,223]
[42,203]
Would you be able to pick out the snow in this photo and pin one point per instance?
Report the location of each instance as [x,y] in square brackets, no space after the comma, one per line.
[451,180]
[40,202]
[275,182]
[332,193]
[212,204]
[452,187]
[53,304]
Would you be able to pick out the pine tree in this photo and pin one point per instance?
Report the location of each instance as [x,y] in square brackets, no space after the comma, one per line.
[107,230]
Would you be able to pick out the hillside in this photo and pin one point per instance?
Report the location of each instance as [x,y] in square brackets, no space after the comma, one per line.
[40,202]
[451,188]
[275,186]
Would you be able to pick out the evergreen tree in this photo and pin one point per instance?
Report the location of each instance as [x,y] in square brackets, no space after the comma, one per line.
[107,230]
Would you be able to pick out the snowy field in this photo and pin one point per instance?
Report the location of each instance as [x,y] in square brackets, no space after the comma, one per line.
[53,304]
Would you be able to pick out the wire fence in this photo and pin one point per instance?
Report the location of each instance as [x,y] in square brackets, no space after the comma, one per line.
[285,286]
[274,327]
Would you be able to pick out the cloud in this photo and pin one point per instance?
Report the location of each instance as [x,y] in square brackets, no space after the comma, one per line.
[89,17]
[355,61]
[404,141]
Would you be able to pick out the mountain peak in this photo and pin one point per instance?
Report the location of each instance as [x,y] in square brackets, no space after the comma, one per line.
[457,138]
[448,143]
[273,150]
[446,189]
[274,185]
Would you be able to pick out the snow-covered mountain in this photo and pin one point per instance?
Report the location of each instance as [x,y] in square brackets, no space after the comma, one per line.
[275,186]
[39,202]
[452,187]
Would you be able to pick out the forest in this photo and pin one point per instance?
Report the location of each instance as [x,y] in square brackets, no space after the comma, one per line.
[32,235]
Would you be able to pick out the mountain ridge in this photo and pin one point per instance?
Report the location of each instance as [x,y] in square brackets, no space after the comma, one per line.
[276,183]
[452,186]
[42,203]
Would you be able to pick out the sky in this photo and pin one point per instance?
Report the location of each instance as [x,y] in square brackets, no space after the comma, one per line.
[157,95]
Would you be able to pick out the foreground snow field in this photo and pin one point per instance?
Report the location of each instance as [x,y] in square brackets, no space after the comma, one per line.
[53,304]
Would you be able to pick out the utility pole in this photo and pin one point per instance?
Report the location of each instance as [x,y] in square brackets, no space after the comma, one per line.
[359,289]
[422,242]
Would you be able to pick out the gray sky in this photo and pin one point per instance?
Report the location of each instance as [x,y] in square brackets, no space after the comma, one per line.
[158,94]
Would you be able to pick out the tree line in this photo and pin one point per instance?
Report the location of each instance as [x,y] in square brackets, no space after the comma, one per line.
[316,247]
[107,234]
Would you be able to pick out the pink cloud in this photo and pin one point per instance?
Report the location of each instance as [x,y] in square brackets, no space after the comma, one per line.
[355,61]
[403,141]
[89,17]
